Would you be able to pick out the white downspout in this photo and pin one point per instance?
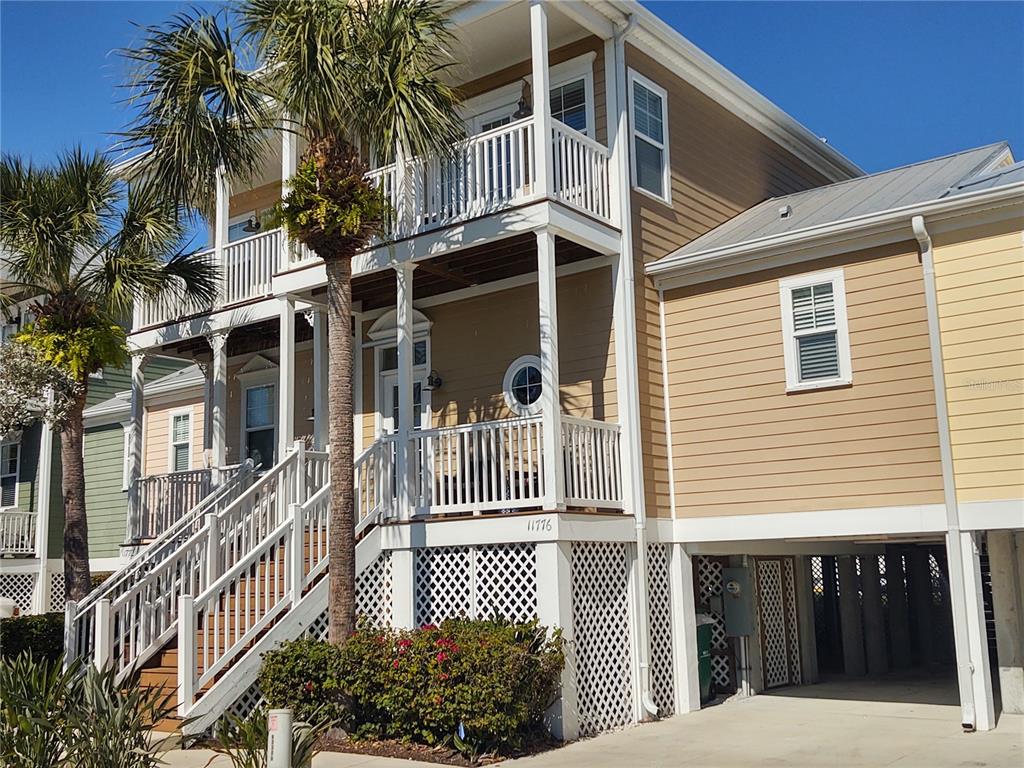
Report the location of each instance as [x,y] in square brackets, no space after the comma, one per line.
[965,668]
[631,419]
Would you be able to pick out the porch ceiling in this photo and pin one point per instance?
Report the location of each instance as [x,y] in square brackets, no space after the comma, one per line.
[497,260]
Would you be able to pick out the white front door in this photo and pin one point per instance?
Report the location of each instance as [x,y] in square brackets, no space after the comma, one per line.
[389,414]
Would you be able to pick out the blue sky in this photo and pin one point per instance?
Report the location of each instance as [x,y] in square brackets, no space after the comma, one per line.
[887,83]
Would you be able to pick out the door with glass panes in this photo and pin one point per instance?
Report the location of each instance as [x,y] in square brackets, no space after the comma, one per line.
[389,388]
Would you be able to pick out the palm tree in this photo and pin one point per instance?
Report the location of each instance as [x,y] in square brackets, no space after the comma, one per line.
[87,247]
[346,76]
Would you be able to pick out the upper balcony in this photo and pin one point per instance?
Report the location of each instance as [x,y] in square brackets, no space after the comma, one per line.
[488,173]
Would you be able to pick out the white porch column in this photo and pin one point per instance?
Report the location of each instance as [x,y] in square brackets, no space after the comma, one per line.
[286,385]
[218,398]
[403,455]
[403,588]
[318,319]
[289,162]
[41,596]
[970,636]
[1006,563]
[684,629]
[554,610]
[221,220]
[551,407]
[135,445]
[543,157]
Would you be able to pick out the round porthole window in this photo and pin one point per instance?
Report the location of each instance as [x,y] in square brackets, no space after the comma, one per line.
[522,385]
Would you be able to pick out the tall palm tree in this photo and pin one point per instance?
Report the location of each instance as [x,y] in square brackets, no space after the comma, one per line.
[346,76]
[86,247]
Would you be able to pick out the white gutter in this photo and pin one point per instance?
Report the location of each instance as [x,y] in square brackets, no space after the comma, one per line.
[627,373]
[893,218]
[957,587]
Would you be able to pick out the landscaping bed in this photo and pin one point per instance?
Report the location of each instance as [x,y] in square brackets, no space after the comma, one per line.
[437,754]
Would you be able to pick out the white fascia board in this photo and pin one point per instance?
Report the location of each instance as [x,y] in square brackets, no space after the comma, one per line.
[1004,514]
[872,521]
[220,320]
[836,237]
[653,35]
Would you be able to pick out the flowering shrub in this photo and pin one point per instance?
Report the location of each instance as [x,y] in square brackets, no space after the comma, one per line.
[481,686]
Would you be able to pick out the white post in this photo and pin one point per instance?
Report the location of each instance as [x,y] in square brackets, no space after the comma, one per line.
[404,468]
[973,635]
[221,221]
[543,156]
[279,739]
[218,398]
[551,407]
[554,610]
[135,446]
[286,372]
[684,629]
[403,601]
[41,596]
[289,162]
[297,556]
[102,638]
[70,638]
[186,654]
[320,354]
[214,565]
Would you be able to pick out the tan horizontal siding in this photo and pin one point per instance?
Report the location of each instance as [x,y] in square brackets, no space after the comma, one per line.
[157,434]
[979,279]
[742,445]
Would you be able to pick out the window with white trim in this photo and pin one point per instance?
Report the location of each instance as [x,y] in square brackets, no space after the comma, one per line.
[649,141]
[522,386]
[569,104]
[814,329]
[181,441]
[260,425]
[10,453]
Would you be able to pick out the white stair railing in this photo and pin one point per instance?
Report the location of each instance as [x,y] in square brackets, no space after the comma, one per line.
[593,465]
[374,482]
[479,467]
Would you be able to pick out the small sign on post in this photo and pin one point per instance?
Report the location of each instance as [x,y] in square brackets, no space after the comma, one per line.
[279,738]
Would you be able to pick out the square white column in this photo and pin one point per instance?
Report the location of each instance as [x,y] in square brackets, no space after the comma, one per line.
[684,629]
[551,407]
[218,398]
[404,472]
[289,162]
[969,632]
[221,221]
[135,445]
[554,610]
[318,319]
[286,373]
[543,157]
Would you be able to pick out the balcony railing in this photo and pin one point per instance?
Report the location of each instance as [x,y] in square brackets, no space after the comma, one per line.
[17,532]
[158,501]
[484,174]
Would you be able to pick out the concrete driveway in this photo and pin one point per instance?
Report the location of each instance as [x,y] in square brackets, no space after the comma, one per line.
[842,724]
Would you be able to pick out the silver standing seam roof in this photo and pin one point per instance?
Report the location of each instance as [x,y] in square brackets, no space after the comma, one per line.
[861,196]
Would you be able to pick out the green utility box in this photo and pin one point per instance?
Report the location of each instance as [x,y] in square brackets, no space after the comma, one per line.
[704,624]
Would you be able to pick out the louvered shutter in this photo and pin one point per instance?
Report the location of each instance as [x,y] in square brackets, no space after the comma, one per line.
[815,332]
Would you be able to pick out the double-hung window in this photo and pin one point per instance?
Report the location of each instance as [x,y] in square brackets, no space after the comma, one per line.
[569,104]
[649,145]
[815,334]
[9,454]
[181,441]
[260,425]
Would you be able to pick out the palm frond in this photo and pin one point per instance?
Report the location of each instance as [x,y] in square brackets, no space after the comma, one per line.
[199,108]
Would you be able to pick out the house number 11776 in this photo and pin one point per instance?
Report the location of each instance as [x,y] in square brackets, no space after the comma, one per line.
[539,525]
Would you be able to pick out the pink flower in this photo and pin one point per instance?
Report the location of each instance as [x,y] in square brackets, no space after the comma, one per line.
[443,676]
[441,657]
[309,686]
[404,642]
[429,627]
[394,664]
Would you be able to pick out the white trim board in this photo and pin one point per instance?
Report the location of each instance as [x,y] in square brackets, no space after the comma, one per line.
[991,515]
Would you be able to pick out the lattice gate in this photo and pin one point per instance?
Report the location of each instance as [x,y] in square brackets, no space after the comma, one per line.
[709,596]
[602,636]
[659,611]
[778,622]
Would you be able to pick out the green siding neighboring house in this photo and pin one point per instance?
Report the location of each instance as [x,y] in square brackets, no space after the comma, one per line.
[106,501]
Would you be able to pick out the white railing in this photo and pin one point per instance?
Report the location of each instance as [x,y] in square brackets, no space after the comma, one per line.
[248,267]
[17,532]
[581,174]
[127,626]
[374,482]
[593,465]
[493,465]
[160,500]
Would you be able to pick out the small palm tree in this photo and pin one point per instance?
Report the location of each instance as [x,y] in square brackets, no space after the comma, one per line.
[85,247]
[344,75]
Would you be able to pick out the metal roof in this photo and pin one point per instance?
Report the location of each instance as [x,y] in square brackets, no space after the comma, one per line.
[187,378]
[1009,174]
[864,195]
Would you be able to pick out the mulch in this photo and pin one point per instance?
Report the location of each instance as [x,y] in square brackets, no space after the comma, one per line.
[438,754]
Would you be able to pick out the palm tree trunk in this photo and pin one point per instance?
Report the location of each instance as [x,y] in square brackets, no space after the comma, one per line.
[341,608]
[77,579]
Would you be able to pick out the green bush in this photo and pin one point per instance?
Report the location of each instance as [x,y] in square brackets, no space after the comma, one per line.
[481,686]
[43,635]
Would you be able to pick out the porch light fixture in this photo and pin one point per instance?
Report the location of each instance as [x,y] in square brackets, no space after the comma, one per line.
[251,225]
[525,103]
[433,381]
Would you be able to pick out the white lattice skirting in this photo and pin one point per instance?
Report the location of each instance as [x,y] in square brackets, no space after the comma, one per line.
[659,611]
[19,588]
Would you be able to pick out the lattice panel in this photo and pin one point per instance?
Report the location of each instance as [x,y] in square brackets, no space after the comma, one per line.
[709,585]
[938,586]
[443,588]
[57,595]
[505,582]
[318,629]
[248,702]
[600,607]
[18,587]
[659,611]
[774,649]
[792,622]
[373,590]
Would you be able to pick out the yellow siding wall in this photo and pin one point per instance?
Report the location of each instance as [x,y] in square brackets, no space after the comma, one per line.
[742,445]
[156,440]
[979,277]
